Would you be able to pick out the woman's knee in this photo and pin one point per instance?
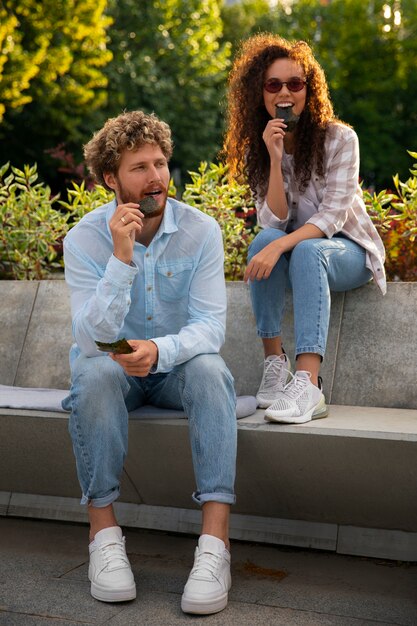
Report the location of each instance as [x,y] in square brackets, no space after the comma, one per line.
[262,239]
[305,252]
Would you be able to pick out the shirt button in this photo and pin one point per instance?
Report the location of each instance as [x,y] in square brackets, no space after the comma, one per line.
[149,288]
[169,274]
[149,317]
[147,254]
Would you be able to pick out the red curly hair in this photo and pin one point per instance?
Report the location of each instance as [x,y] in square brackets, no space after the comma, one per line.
[244,148]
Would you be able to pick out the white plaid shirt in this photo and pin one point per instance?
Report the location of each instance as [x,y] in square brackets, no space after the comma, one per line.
[333,204]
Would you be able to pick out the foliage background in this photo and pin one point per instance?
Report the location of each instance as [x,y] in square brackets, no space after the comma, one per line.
[34,222]
[67,65]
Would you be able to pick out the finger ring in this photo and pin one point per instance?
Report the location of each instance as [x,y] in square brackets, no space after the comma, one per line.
[122,219]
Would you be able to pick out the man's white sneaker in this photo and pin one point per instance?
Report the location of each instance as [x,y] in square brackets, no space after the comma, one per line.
[300,402]
[209,581]
[109,571]
[274,378]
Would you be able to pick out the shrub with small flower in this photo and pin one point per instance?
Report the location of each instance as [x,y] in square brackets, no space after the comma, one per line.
[395,217]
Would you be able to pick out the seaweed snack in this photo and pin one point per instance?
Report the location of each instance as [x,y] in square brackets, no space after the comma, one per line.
[286,113]
[148,205]
[117,347]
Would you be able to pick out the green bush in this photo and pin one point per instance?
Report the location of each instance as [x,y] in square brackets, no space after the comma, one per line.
[31,228]
[231,205]
[33,222]
[395,217]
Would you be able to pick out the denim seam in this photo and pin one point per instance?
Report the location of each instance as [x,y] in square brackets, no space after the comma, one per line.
[84,454]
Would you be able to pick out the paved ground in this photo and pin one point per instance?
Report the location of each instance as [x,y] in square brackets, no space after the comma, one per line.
[43,582]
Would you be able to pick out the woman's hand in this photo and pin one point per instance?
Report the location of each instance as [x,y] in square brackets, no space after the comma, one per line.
[262,264]
[273,137]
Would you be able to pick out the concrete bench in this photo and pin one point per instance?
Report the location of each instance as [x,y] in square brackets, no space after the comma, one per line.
[346,483]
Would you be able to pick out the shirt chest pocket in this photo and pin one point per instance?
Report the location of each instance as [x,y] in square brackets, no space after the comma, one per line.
[173,279]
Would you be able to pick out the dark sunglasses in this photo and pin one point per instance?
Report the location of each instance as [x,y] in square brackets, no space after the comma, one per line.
[274,85]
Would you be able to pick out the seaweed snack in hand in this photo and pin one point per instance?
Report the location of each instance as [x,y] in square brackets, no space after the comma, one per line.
[117,347]
[148,205]
[286,113]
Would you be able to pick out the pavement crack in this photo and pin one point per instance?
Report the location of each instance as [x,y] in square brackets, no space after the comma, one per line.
[45,617]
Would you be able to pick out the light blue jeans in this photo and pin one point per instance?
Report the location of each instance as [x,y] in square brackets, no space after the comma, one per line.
[313,269]
[101,396]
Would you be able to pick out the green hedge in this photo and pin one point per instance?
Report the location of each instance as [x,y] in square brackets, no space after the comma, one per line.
[34,222]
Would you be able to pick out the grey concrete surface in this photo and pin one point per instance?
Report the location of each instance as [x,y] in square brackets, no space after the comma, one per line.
[370,359]
[377,356]
[43,582]
[17,298]
[44,361]
[358,467]
[352,475]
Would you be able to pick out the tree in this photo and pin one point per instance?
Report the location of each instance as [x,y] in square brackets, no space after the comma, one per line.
[51,73]
[369,54]
[168,59]
[245,18]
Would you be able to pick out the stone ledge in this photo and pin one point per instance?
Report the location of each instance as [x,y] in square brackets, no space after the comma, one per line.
[356,468]
[356,541]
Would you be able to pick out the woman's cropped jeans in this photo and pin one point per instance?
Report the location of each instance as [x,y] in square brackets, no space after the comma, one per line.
[102,395]
[312,269]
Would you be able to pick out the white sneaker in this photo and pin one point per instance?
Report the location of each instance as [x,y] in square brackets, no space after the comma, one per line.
[109,571]
[300,402]
[209,581]
[275,377]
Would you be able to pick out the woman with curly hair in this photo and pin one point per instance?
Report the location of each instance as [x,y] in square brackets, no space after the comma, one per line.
[302,165]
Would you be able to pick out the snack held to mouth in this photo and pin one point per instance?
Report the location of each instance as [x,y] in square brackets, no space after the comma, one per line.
[117,347]
[286,113]
[148,205]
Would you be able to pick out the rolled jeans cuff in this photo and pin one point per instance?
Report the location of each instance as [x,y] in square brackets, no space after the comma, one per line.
[310,350]
[100,503]
[223,498]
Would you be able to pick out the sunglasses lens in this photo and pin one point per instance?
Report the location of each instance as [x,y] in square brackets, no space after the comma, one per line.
[295,85]
[273,85]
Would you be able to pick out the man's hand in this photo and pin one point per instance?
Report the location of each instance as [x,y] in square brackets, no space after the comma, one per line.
[262,264]
[139,362]
[125,223]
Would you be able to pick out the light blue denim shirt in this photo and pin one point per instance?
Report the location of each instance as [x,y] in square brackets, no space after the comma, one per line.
[173,292]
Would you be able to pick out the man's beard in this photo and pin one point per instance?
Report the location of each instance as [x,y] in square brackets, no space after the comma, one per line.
[126,196]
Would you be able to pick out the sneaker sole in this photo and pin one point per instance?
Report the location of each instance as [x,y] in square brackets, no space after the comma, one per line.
[204,608]
[106,595]
[317,412]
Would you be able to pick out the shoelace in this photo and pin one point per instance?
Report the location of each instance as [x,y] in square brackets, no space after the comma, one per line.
[114,554]
[272,371]
[295,386]
[206,565]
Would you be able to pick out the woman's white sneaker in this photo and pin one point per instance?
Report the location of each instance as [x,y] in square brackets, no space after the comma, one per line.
[299,402]
[208,584]
[109,571]
[275,376]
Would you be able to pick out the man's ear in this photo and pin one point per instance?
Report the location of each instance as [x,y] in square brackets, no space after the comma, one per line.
[110,180]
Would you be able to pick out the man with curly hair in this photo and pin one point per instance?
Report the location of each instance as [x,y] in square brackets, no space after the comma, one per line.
[302,164]
[148,268]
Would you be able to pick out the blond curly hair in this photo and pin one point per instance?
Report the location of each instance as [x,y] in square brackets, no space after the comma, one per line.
[128,131]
